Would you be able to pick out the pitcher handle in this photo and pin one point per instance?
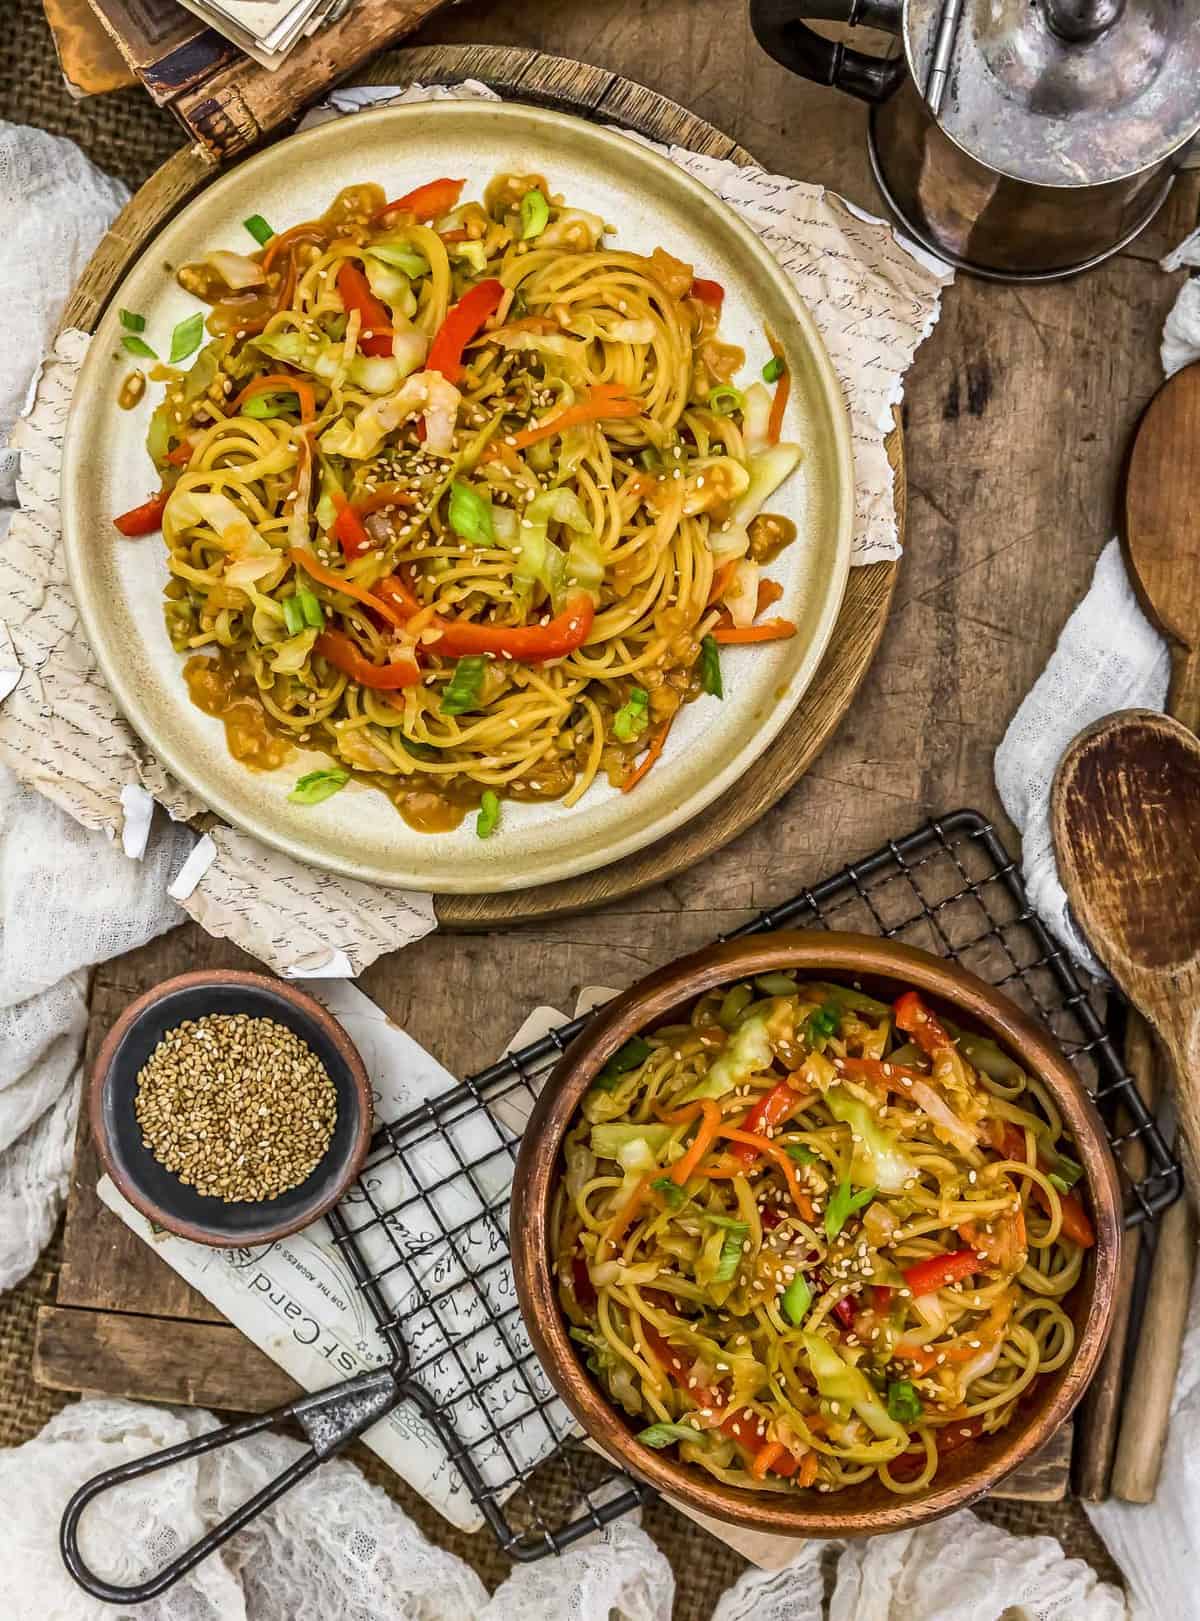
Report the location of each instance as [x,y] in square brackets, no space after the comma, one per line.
[330,1419]
[780,29]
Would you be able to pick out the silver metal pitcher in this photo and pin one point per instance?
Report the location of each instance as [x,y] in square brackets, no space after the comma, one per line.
[1057,133]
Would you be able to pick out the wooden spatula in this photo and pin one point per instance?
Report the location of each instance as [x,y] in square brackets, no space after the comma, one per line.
[1126,822]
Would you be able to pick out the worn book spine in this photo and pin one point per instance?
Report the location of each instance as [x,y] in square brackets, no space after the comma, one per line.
[90,61]
[226,102]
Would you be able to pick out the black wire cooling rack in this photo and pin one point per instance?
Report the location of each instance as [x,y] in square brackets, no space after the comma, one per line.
[425,1229]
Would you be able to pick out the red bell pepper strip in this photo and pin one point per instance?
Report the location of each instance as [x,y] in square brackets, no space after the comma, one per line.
[345,656]
[1009,1140]
[771,1110]
[356,294]
[529,644]
[581,1280]
[464,321]
[939,1270]
[143,520]
[347,528]
[771,630]
[427,202]
[915,1019]
[708,292]
[182,454]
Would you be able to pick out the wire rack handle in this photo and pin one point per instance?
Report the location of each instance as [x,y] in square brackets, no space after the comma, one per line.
[331,1419]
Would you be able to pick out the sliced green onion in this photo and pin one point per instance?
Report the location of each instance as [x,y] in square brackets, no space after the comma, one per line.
[733,1004]
[319,785]
[535,214]
[710,667]
[651,459]
[800,1153]
[420,751]
[903,1403]
[664,1435]
[733,1224]
[776,984]
[471,514]
[259,229]
[488,819]
[823,1023]
[131,321]
[634,1052]
[187,337]
[731,1251]
[293,615]
[725,400]
[632,719]
[464,687]
[842,1205]
[1067,1172]
[671,1191]
[774,369]
[797,1298]
[310,607]
[263,407]
[138,346]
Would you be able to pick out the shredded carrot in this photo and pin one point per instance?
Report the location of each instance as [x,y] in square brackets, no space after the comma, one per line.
[782,390]
[601,404]
[771,630]
[765,1146]
[337,582]
[720,580]
[807,1471]
[710,1124]
[281,383]
[288,239]
[652,754]
[769,591]
[625,1217]
[765,1457]
[181,455]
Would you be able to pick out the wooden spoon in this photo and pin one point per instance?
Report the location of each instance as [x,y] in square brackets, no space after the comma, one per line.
[1162,553]
[1125,815]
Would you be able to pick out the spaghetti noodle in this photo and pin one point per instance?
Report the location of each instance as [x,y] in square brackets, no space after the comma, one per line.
[808,1238]
[462,496]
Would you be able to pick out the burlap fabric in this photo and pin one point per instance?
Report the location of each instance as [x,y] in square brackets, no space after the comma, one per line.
[128,136]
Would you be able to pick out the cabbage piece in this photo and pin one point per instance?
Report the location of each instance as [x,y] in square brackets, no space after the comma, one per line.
[756,417]
[399,253]
[841,1382]
[541,562]
[472,253]
[289,656]
[740,596]
[767,472]
[305,351]
[426,392]
[236,270]
[612,1370]
[581,1167]
[392,286]
[878,1160]
[748,1053]
[608,1141]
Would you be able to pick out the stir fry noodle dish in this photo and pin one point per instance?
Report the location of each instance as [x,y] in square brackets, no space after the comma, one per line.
[460,496]
[810,1238]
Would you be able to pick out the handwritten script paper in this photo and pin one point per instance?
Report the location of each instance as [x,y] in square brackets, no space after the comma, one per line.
[62,733]
[442,1253]
[873,296]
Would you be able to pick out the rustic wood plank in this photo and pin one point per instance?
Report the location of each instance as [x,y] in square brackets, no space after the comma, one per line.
[157,1359]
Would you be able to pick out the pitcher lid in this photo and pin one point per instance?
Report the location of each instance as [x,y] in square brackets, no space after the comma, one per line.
[1065,92]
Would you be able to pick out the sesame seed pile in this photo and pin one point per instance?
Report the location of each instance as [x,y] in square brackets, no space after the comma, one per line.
[239,1108]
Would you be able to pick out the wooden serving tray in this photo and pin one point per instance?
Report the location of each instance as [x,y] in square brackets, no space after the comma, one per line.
[596,93]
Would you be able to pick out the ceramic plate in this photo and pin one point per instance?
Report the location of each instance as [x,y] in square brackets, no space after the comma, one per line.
[118,582]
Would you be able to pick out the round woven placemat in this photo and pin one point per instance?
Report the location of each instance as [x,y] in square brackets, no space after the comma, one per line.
[127,135]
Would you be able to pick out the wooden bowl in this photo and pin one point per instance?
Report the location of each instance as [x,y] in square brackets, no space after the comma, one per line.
[880,967]
[159,1193]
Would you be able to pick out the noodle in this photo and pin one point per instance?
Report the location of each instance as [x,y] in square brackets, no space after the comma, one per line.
[803,1255]
[468,505]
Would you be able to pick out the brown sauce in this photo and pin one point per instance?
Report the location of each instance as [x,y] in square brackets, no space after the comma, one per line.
[218,688]
[131,390]
[769,533]
[432,805]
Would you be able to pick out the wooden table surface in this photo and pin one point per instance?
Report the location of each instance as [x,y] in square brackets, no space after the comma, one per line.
[1017,413]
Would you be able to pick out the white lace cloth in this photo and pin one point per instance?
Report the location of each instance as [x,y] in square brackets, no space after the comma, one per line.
[336,1547]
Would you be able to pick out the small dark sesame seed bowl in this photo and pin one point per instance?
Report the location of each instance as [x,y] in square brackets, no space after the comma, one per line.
[157,1192]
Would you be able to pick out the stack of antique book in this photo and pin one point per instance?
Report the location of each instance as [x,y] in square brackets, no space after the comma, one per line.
[231,69]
